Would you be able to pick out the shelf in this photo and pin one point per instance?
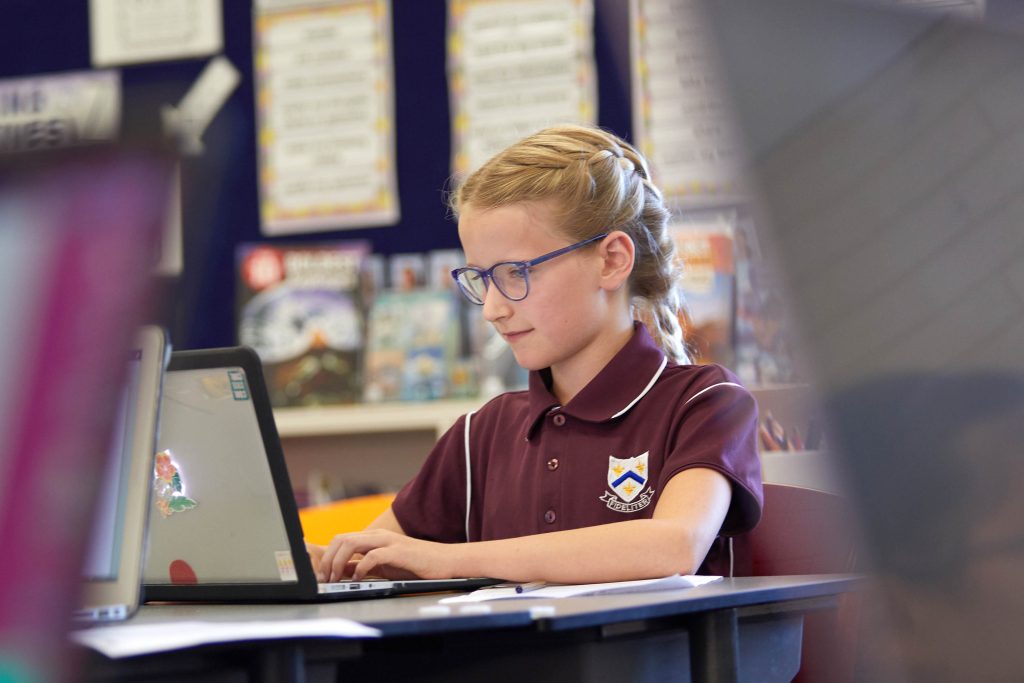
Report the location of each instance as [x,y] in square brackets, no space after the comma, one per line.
[398,416]
[810,469]
[437,416]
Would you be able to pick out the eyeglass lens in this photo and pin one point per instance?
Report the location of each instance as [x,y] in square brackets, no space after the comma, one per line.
[510,278]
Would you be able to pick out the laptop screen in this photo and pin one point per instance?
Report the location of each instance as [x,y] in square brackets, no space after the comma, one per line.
[216,515]
[104,552]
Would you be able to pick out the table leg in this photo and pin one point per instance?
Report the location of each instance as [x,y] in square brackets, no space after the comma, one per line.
[714,647]
[280,664]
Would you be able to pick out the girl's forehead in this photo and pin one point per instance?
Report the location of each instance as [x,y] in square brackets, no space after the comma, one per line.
[521,225]
[505,233]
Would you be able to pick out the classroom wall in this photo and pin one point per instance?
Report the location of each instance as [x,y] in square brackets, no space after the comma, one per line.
[219,187]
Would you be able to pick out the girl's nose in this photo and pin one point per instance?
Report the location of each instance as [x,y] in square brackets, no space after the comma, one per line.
[496,306]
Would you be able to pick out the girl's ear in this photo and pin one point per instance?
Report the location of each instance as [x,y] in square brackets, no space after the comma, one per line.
[617,254]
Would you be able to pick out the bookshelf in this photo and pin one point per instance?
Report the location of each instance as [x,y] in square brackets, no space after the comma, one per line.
[362,448]
[366,446]
[375,418]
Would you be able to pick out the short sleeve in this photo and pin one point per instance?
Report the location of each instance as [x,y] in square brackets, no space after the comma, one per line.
[717,429]
[433,505]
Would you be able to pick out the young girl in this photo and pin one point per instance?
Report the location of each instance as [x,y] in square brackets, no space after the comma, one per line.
[621,461]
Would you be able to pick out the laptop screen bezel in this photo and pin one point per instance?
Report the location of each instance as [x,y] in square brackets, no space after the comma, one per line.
[306,585]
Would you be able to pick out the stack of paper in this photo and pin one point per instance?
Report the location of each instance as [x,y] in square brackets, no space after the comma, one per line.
[556,590]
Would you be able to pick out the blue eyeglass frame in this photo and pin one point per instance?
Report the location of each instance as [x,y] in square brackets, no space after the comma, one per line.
[488,274]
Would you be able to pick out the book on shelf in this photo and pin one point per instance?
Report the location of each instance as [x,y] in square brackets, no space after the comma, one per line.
[300,306]
[705,249]
[413,348]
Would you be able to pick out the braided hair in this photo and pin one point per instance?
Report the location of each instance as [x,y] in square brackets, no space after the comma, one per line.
[599,183]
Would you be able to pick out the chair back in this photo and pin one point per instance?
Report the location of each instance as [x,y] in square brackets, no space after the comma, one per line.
[802,531]
[805,531]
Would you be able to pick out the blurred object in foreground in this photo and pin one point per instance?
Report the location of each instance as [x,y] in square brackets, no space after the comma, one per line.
[887,148]
[78,235]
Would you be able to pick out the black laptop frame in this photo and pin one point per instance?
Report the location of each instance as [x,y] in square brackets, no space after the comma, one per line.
[306,586]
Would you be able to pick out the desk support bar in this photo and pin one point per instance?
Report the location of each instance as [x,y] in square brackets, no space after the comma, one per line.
[714,647]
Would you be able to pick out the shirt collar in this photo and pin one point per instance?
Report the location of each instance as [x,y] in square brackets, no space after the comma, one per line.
[615,389]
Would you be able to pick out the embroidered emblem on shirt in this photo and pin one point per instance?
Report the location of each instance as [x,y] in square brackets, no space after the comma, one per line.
[627,478]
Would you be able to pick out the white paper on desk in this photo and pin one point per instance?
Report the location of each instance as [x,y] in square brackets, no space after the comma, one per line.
[127,640]
[559,590]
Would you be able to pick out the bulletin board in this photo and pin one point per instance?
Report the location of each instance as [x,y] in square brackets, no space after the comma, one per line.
[220,205]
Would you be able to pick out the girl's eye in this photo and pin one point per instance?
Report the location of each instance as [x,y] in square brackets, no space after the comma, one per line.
[518,271]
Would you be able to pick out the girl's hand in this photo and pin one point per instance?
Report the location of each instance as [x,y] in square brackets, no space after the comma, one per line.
[316,553]
[384,553]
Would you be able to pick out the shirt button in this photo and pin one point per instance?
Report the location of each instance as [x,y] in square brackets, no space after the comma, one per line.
[550,516]
[553,464]
[559,420]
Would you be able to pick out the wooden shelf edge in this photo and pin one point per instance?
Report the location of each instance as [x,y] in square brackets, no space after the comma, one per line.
[398,416]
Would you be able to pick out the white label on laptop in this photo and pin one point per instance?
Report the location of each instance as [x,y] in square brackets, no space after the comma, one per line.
[285,565]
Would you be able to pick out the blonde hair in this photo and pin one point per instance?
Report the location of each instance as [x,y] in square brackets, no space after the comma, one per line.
[599,183]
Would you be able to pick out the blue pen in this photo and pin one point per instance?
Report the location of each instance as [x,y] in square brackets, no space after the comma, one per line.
[531,586]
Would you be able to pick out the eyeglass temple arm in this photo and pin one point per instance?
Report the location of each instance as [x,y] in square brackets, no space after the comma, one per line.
[564,250]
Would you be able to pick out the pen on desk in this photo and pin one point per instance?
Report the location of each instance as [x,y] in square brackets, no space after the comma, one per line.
[531,586]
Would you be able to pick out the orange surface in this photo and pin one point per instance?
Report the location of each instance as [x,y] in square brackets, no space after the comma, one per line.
[321,522]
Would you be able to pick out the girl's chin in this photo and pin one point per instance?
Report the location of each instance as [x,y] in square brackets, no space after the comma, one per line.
[529,362]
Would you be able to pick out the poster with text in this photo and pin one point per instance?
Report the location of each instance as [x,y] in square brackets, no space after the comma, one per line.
[681,118]
[59,110]
[325,110]
[515,67]
[135,31]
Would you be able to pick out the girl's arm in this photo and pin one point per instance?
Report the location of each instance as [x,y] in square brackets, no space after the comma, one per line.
[686,521]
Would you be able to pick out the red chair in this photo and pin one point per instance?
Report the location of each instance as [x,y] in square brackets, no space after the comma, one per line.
[804,531]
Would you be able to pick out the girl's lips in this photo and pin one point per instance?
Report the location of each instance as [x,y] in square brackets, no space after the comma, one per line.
[512,336]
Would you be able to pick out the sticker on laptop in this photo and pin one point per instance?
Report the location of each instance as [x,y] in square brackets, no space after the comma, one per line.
[224,384]
[169,486]
[239,390]
[285,565]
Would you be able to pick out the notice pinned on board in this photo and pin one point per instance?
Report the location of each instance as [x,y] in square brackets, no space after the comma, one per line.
[325,107]
[514,68]
[135,31]
[682,120]
[59,110]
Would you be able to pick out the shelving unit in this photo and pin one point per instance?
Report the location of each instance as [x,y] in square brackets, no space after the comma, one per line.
[363,447]
[359,446]
[371,418]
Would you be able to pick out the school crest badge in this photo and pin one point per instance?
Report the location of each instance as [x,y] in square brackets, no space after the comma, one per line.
[628,479]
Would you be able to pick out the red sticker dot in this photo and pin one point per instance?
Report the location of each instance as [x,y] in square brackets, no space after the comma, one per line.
[182,573]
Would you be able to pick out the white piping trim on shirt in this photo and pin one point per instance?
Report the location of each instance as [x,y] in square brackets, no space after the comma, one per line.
[720,384]
[469,473]
[664,362]
[732,560]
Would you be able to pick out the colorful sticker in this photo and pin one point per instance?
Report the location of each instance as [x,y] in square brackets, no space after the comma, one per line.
[285,565]
[168,487]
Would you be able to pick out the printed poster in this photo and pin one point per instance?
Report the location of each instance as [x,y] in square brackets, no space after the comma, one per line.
[59,110]
[134,31]
[325,111]
[514,67]
[681,118]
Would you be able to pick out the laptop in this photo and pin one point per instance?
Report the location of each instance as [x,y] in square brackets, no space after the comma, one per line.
[224,524]
[887,149]
[112,570]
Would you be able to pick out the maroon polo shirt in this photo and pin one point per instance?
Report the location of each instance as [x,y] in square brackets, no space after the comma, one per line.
[537,466]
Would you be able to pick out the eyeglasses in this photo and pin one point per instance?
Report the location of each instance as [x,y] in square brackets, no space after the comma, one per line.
[510,277]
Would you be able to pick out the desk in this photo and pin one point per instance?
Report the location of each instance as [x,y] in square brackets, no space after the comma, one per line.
[732,630]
